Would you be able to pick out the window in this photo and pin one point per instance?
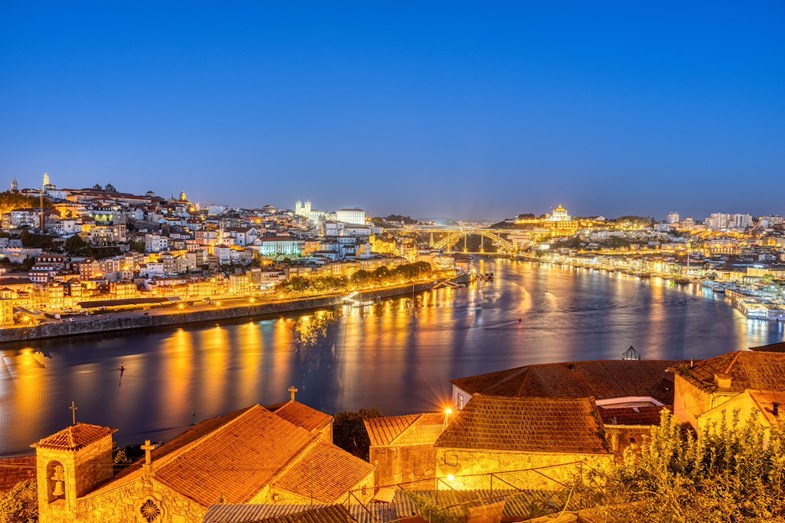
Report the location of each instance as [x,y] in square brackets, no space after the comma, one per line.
[460,401]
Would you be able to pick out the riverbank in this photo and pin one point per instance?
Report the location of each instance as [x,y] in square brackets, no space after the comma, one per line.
[121,321]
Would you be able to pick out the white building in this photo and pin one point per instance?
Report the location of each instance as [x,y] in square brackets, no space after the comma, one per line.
[354,216]
[559,214]
[673,217]
[155,243]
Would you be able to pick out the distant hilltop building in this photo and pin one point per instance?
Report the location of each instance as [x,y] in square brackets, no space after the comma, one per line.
[355,216]
[559,214]
[723,222]
[673,217]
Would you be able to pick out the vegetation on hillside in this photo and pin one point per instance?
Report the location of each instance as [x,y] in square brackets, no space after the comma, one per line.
[14,200]
[20,504]
[731,471]
[361,278]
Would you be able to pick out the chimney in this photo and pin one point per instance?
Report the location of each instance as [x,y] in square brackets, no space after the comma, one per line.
[775,408]
[722,381]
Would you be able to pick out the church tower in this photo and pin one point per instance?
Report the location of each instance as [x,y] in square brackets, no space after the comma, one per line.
[69,464]
[14,185]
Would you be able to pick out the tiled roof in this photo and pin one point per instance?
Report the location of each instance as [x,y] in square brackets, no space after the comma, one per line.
[758,370]
[411,429]
[325,473]
[303,416]
[330,514]
[382,431]
[601,379]
[631,415]
[563,425]
[74,437]
[519,504]
[765,401]
[248,513]
[236,460]
[773,347]
[186,438]
[278,514]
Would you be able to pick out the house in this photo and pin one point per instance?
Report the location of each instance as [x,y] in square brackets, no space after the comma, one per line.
[612,383]
[252,455]
[745,380]
[509,436]
[493,436]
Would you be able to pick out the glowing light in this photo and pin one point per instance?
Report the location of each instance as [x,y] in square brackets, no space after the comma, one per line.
[450,477]
[447,411]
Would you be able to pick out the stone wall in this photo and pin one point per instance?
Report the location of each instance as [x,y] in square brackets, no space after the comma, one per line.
[123,504]
[689,401]
[413,465]
[470,469]
[113,322]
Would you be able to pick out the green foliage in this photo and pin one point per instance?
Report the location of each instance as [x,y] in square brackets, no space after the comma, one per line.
[326,284]
[349,431]
[730,471]
[13,200]
[37,241]
[76,246]
[20,504]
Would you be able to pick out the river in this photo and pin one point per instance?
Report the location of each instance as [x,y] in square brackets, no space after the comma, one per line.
[397,356]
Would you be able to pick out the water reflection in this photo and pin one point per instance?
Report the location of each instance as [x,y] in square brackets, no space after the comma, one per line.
[396,355]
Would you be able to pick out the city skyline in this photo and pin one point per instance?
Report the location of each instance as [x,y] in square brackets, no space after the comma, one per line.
[440,110]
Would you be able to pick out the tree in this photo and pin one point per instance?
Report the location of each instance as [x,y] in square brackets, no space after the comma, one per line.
[349,431]
[730,471]
[20,504]
[76,246]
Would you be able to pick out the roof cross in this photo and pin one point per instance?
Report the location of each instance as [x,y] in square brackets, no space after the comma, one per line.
[292,391]
[147,448]
[73,408]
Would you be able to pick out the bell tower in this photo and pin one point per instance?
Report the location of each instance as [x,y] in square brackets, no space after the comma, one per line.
[69,464]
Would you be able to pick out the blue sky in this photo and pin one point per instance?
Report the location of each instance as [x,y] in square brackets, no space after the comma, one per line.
[468,110]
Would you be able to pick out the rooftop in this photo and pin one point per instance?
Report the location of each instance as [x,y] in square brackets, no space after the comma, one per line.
[601,379]
[74,437]
[760,370]
[526,424]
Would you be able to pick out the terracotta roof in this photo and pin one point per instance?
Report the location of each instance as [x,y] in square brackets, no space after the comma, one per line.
[773,347]
[74,437]
[411,428]
[236,460]
[631,415]
[303,416]
[764,400]
[251,512]
[758,370]
[178,442]
[325,472]
[331,514]
[601,379]
[564,425]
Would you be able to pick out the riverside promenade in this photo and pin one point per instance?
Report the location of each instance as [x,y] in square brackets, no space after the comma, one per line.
[171,316]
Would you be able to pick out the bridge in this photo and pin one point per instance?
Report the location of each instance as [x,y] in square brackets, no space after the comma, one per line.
[453,236]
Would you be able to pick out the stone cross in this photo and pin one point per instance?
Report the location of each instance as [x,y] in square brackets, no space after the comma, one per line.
[73,408]
[147,448]
[292,391]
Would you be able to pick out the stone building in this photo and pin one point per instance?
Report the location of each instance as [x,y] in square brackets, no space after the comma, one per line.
[492,437]
[510,436]
[745,380]
[252,455]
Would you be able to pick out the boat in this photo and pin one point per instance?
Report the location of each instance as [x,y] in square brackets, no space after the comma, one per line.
[719,289]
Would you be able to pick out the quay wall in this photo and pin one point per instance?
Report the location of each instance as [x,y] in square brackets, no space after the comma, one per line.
[117,322]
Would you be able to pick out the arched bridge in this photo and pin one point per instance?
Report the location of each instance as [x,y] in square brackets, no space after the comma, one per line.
[449,241]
